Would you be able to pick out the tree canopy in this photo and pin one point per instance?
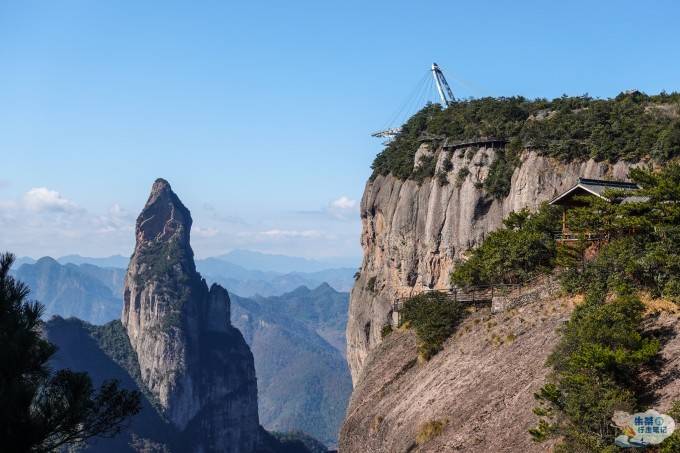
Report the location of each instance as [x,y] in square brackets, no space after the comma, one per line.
[42,410]
[628,127]
[523,248]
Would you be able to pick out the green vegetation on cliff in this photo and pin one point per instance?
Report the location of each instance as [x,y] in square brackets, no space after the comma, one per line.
[629,127]
[604,346]
[434,316]
[523,248]
[42,409]
[643,248]
[596,367]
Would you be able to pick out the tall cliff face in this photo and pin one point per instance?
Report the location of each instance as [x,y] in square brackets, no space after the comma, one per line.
[412,234]
[194,363]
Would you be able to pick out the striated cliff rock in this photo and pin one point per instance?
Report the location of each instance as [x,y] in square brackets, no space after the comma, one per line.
[479,388]
[412,234]
[191,359]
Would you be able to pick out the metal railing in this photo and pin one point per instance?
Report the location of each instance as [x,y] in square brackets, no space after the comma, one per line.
[473,295]
[571,236]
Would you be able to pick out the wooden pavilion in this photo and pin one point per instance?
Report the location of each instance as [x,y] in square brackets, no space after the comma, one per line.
[572,198]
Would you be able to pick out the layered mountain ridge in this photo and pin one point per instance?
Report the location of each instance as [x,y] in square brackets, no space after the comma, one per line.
[297,340]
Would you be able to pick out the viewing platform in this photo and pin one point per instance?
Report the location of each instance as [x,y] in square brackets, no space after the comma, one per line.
[450,144]
[491,296]
[486,142]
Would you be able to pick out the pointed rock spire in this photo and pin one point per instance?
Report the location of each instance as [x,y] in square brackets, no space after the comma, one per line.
[191,359]
[163,216]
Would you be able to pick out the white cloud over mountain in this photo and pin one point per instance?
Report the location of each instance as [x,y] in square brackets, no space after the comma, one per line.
[43,221]
[43,199]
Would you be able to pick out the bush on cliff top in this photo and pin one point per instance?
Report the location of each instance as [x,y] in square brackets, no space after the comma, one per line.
[629,126]
[434,317]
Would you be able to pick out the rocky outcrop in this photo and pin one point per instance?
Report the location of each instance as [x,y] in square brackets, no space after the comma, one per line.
[192,361]
[412,234]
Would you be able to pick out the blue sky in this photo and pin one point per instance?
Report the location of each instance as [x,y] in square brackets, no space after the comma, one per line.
[259,113]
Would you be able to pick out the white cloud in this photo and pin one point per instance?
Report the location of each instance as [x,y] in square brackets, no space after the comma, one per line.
[343,208]
[205,232]
[43,221]
[116,211]
[41,199]
[117,219]
[344,202]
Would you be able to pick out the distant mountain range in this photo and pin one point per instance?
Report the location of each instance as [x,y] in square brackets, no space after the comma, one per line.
[83,291]
[297,338]
[247,259]
[285,264]
[241,272]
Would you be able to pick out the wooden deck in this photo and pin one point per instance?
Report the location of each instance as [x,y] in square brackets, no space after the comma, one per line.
[488,142]
[448,143]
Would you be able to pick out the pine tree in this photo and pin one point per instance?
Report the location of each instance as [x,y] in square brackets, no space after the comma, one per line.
[42,410]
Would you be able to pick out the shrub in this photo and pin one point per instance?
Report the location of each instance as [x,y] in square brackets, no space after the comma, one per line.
[596,364]
[425,168]
[498,181]
[429,431]
[447,164]
[604,346]
[520,250]
[370,284]
[462,174]
[671,289]
[434,316]
[643,251]
[672,443]
[386,330]
[399,156]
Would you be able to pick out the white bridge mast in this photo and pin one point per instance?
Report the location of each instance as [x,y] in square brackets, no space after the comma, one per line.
[445,94]
[443,88]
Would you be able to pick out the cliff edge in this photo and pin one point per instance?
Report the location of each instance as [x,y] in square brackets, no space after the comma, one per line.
[413,232]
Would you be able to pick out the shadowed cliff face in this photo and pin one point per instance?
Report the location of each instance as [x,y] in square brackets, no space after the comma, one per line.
[411,234]
[191,359]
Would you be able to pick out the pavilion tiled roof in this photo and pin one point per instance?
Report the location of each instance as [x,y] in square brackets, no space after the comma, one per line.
[596,187]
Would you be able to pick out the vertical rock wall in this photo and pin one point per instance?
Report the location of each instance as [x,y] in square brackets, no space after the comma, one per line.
[412,234]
